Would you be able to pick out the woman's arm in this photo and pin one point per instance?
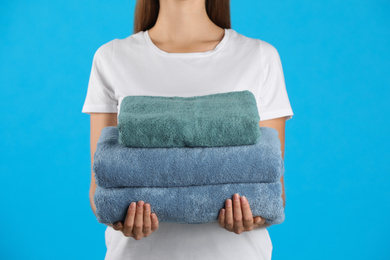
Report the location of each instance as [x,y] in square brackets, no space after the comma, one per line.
[237,216]
[139,221]
[97,122]
[279,124]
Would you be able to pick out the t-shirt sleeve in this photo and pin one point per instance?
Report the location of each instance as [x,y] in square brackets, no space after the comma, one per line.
[273,101]
[100,96]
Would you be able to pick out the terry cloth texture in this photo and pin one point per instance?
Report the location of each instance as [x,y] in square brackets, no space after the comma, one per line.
[222,119]
[190,205]
[118,166]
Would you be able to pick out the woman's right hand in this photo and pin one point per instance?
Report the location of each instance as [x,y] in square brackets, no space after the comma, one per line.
[139,221]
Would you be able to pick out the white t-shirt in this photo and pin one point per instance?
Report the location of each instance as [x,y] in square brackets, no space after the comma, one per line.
[136,66]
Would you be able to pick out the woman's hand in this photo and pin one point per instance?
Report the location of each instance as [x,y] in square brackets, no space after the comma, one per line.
[139,222]
[238,217]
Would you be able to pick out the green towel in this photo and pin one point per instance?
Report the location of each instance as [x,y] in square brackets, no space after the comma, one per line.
[222,119]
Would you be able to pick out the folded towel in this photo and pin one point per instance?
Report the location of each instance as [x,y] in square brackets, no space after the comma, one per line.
[118,166]
[221,119]
[190,205]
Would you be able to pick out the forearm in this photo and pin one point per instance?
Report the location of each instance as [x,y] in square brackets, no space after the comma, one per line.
[98,121]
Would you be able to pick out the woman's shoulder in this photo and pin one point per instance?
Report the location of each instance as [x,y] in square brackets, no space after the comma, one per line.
[129,41]
[265,48]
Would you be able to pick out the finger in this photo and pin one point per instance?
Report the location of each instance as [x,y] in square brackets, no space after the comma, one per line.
[221,218]
[237,214]
[147,222]
[117,226]
[258,221]
[154,222]
[138,221]
[228,215]
[247,216]
[129,221]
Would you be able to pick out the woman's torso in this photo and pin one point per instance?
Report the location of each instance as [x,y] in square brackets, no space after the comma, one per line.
[135,66]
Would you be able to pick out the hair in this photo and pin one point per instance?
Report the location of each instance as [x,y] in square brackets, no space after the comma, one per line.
[146,12]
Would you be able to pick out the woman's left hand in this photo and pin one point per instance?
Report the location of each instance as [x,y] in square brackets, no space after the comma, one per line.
[237,216]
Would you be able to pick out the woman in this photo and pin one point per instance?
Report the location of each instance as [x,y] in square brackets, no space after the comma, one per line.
[186,48]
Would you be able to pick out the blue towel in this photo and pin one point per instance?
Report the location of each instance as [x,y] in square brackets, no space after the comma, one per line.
[119,166]
[229,118]
[192,204]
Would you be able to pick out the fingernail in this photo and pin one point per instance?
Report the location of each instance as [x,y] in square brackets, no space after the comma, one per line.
[236,197]
[228,203]
[132,205]
[140,204]
[243,200]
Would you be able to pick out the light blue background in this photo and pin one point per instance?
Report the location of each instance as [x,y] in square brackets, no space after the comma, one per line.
[336,61]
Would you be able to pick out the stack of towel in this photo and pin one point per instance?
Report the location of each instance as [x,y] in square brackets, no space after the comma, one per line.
[186,156]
